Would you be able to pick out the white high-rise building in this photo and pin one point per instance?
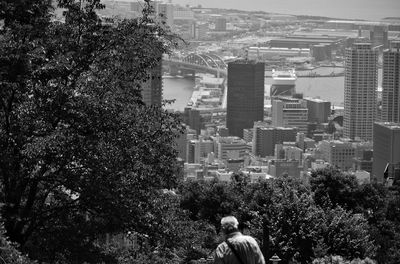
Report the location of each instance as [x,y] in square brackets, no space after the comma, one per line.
[361,81]
[391,84]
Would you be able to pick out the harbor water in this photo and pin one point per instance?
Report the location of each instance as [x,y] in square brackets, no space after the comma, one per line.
[326,88]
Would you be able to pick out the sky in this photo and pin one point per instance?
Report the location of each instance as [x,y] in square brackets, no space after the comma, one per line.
[347,9]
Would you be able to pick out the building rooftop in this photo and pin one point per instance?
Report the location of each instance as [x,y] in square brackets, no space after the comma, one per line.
[391,125]
[313,40]
[317,100]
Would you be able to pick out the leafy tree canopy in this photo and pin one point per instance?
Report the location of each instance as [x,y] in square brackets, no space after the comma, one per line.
[81,154]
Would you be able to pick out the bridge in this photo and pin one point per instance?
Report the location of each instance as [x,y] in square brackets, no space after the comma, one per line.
[194,62]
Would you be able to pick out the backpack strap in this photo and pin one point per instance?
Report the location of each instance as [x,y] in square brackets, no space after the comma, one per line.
[234,251]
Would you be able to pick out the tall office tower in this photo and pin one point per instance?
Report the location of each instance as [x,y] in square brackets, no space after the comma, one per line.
[360,83]
[386,157]
[391,84]
[245,97]
[152,88]
[290,112]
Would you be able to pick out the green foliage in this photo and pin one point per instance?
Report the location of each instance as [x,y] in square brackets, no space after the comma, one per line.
[8,252]
[209,201]
[341,260]
[284,217]
[346,234]
[81,154]
[331,188]
[378,204]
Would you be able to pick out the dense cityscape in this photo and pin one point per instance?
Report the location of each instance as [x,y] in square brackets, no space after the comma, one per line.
[237,122]
[146,131]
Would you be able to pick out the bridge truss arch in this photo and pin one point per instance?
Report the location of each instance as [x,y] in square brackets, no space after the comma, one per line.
[195,58]
[221,63]
[208,60]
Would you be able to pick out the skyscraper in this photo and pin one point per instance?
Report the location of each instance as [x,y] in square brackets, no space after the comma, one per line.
[391,84]
[361,80]
[245,97]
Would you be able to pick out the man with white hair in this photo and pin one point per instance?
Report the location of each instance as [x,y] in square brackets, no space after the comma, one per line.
[237,248]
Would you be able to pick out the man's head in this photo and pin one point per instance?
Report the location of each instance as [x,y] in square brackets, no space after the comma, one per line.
[229,224]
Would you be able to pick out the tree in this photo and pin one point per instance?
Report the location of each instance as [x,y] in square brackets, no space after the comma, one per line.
[331,188]
[298,229]
[8,253]
[340,260]
[209,201]
[385,226]
[283,216]
[81,154]
[345,234]
[180,241]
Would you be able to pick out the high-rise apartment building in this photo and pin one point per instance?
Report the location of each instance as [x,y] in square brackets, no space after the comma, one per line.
[391,84]
[386,157]
[361,81]
[245,97]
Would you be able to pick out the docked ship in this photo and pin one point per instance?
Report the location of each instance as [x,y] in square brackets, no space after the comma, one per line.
[283,83]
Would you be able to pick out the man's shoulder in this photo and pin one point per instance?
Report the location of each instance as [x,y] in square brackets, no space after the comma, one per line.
[246,238]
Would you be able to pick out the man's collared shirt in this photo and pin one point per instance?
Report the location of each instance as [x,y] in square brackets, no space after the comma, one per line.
[245,246]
